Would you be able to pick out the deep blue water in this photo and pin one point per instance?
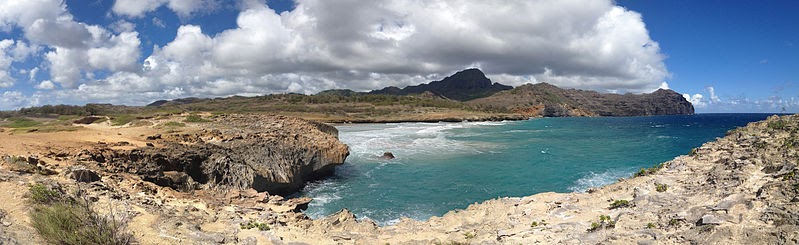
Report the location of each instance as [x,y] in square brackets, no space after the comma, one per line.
[445,166]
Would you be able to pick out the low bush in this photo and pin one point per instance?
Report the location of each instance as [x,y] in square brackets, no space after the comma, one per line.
[619,204]
[63,219]
[661,187]
[194,118]
[253,224]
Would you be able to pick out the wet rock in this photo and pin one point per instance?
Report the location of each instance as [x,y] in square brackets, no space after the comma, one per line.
[387,156]
[299,204]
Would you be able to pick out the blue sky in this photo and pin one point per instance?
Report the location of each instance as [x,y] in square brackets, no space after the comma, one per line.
[724,56]
[744,49]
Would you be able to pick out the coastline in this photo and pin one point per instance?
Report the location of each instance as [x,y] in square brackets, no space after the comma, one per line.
[732,190]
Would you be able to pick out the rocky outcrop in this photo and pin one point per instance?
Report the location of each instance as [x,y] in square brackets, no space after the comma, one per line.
[464,85]
[547,100]
[268,153]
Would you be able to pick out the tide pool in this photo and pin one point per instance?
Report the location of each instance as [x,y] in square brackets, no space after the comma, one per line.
[444,166]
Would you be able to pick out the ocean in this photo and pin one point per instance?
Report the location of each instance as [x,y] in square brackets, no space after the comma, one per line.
[444,166]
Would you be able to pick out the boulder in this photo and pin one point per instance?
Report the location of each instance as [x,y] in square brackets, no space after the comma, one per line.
[709,219]
[84,175]
[387,156]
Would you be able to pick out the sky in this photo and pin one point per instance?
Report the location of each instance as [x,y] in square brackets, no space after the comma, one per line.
[723,56]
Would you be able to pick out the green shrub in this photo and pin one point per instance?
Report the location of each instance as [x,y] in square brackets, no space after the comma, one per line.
[253,224]
[194,118]
[650,226]
[538,223]
[692,152]
[674,222]
[40,194]
[60,219]
[469,235]
[777,124]
[122,120]
[661,187]
[21,122]
[173,124]
[604,222]
[619,204]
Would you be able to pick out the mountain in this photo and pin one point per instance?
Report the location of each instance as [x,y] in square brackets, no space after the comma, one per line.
[547,100]
[462,86]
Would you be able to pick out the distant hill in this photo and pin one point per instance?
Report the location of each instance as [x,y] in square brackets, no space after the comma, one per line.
[547,100]
[462,86]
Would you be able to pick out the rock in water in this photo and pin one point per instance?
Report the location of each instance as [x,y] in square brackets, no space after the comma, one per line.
[387,156]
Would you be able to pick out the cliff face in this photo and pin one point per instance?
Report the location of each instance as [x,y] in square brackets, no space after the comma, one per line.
[267,153]
[550,101]
[464,85]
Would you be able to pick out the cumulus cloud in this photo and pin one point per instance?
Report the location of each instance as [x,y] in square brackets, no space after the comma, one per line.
[697,100]
[75,48]
[45,85]
[138,8]
[347,44]
[12,51]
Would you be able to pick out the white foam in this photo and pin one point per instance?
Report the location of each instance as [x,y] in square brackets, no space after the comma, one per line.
[592,179]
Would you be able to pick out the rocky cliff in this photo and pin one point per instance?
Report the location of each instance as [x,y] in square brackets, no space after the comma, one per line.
[547,100]
[276,154]
[464,85]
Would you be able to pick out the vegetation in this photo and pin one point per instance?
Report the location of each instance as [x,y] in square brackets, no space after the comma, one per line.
[469,235]
[605,222]
[173,124]
[194,118]
[619,204]
[674,222]
[538,223]
[650,225]
[21,122]
[254,224]
[661,187]
[120,120]
[63,219]
[778,124]
[692,152]
[648,171]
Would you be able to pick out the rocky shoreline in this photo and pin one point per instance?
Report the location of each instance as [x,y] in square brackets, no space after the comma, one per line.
[740,189]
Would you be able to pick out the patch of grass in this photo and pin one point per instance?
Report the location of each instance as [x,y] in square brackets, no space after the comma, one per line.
[254,224]
[674,222]
[619,204]
[194,118]
[778,124]
[538,223]
[173,124]
[661,187]
[120,120]
[67,117]
[469,235]
[692,152]
[650,226]
[648,171]
[21,122]
[605,222]
[61,219]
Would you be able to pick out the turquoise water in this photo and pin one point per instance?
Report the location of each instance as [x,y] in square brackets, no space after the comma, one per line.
[445,166]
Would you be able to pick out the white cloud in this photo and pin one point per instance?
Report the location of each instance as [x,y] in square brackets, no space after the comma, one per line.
[32,74]
[12,51]
[664,85]
[120,26]
[184,8]
[712,91]
[45,85]
[346,44]
[697,100]
[158,22]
